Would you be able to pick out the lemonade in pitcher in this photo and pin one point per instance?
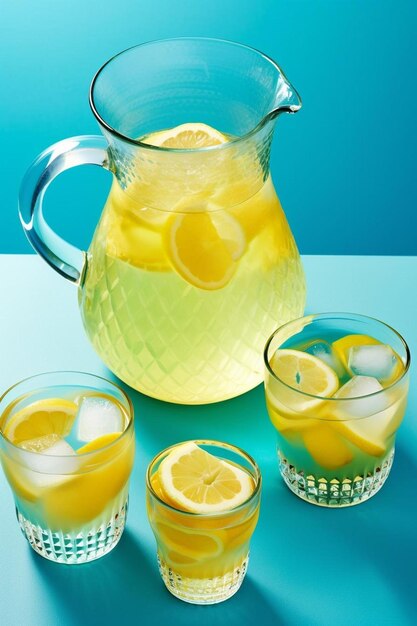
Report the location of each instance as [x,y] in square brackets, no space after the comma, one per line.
[193,263]
[180,299]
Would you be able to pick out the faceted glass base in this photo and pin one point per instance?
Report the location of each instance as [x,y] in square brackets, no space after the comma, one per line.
[75,548]
[203,590]
[334,492]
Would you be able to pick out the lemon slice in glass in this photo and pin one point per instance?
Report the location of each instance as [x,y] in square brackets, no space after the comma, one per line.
[326,447]
[50,416]
[132,241]
[100,442]
[204,247]
[199,482]
[304,372]
[189,136]
[194,544]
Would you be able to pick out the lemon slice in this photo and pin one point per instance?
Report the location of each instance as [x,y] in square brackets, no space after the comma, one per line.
[157,487]
[40,444]
[326,447]
[286,422]
[204,247]
[365,434]
[194,544]
[186,137]
[41,418]
[363,419]
[129,204]
[343,345]
[98,443]
[132,241]
[199,482]
[304,372]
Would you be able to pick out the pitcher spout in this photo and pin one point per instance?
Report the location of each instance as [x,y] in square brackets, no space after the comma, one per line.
[287,99]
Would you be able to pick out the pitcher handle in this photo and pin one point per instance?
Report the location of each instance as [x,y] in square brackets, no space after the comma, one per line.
[65,258]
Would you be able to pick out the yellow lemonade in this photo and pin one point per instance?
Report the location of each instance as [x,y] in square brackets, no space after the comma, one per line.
[189,271]
[203,511]
[68,458]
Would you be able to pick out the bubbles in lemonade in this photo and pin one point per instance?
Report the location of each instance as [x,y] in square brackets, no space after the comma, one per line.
[190,269]
[56,484]
[336,444]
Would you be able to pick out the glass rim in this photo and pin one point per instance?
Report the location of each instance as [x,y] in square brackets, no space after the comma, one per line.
[140,144]
[335,316]
[83,455]
[208,442]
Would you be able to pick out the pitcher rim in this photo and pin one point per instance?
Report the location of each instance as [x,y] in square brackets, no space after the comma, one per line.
[136,142]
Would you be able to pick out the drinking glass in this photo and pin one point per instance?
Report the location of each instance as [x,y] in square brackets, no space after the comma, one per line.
[335,451]
[203,558]
[71,508]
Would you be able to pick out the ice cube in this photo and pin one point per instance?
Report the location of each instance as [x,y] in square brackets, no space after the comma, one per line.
[324,351]
[60,448]
[363,403]
[96,417]
[378,361]
[53,465]
[369,418]
[359,386]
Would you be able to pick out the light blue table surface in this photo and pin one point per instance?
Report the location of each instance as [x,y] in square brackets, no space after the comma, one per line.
[309,566]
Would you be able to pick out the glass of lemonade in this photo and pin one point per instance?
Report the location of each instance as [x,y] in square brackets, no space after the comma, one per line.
[203,502]
[336,390]
[67,449]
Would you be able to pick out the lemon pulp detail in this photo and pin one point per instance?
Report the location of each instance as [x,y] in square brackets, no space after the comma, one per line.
[199,482]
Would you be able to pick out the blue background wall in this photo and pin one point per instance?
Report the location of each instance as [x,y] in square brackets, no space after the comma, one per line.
[344,166]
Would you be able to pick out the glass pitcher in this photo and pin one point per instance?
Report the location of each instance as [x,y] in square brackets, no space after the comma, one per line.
[192,264]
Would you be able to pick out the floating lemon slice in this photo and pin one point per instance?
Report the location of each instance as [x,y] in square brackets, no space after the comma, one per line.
[51,416]
[186,136]
[304,372]
[156,486]
[40,444]
[343,345]
[364,433]
[364,413]
[98,443]
[199,482]
[131,240]
[204,247]
[192,544]
[326,447]
[285,422]
[128,203]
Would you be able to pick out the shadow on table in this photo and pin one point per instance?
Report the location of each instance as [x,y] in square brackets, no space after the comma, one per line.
[389,538]
[348,553]
[241,420]
[125,587]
